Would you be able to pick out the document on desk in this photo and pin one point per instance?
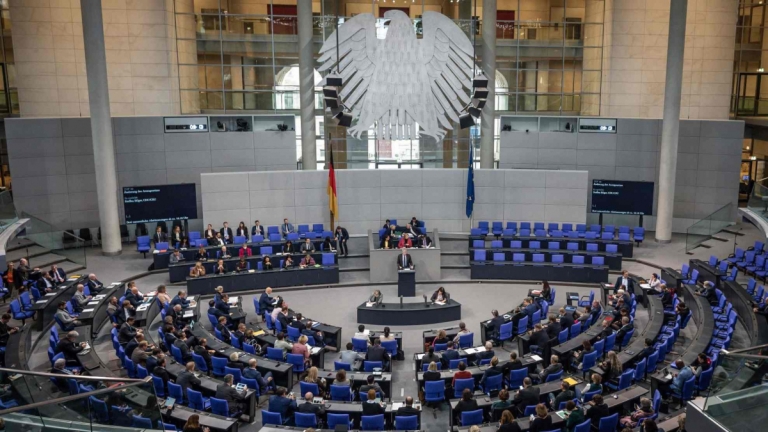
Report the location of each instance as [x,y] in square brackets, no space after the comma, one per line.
[645,286]
[535,357]
[368,304]
[419,356]
[88,310]
[143,307]
[93,303]
[316,350]
[475,350]
[41,301]
[440,303]
[50,294]
[188,314]
[234,300]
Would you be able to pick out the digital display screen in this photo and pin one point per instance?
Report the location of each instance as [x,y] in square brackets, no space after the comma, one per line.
[622,197]
[159,203]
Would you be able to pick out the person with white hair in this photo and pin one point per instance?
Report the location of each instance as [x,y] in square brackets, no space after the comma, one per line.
[94,285]
[70,347]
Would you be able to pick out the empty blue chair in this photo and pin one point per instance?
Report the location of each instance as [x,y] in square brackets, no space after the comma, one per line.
[553,245]
[529,410]
[515,244]
[175,391]
[197,401]
[640,370]
[478,243]
[235,372]
[493,383]
[572,246]
[221,407]
[558,259]
[538,258]
[525,232]
[372,423]
[606,236]
[475,232]
[143,244]
[337,365]
[219,363]
[99,409]
[518,257]
[369,366]
[268,418]
[161,246]
[406,422]
[592,247]
[360,345]
[297,360]
[497,228]
[516,377]
[275,354]
[159,386]
[575,329]
[466,340]
[337,419]
[479,255]
[141,422]
[589,395]
[341,393]
[566,228]
[469,418]
[141,372]
[624,380]
[562,337]
[508,233]
[598,260]
[577,259]
[305,420]
[505,332]
[611,248]
[623,237]
[499,256]
[522,325]
[309,387]
[483,226]
[461,384]
[587,362]
[608,424]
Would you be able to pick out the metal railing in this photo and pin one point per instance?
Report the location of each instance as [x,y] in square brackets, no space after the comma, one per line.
[707,227]
[101,403]
[59,242]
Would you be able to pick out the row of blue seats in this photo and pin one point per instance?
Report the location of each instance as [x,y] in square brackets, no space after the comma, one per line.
[143,242]
[534,244]
[538,229]
[480,255]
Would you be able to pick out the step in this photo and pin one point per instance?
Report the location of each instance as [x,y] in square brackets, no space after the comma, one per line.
[18,243]
[46,260]
[30,251]
[69,267]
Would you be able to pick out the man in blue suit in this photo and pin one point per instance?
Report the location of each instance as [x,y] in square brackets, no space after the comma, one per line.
[213,310]
[530,307]
[266,301]
[58,275]
[279,403]
[448,355]
[677,382]
[287,227]
[181,299]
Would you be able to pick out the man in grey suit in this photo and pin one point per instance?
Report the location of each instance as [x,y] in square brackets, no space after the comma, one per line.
[187,378]
[233,397]
[80,298]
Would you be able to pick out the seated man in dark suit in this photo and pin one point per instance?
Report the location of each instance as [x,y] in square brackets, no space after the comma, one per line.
[266,301]
[566,319]
[553,327]
[58,275]
[233,397]
[70,347]
[94,285]
[408,409]
[216,312]
[530,307]
[376,352]
[316,335]
[539,337]
[554,367]
[512,365]
[181,344]
[626,326]
[596,410]
[134,297]
[496,322]
[279,403]
[226,336]
[127,331]
[528,395]
[449,354]
[162,373]
[310,408]
[203,351]
[181,299]
[487,354]
[492,371]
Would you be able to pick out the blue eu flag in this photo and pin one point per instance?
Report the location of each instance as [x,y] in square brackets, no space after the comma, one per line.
[471,181]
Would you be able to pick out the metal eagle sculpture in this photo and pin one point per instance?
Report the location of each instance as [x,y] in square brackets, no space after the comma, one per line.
[402,83]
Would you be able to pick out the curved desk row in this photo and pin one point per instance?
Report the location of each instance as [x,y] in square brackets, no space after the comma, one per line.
[538,271]
[625,247]
[707,272]
[612,260]
[756,325]
[48,304]
[409,313]
[180,271]
[705,323]
[255,279]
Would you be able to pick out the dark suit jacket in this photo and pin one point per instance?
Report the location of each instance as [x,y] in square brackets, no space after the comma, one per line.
[61,273]
[260,231]
[597,412]
[226,336]
[70,349]
[310,408]
[540,338]
[496,323]
[95,285]
[186,379]
[566,321]
[630,285]
[282,405]
[135,300]
[408,261]
[211,233]
[161,237]
[161,373]
[203,352]
[229,233]
[511,366]
[184,302]
[126,333]
[553,330]
[242,232]
[407,411]
[265,303]
[372,408]
[229,394]
[448,356]
[377,353]
[344,234]
[530,310]
[525,397]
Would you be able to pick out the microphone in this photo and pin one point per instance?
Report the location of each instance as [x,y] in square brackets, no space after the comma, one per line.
[401,302]
[425,301]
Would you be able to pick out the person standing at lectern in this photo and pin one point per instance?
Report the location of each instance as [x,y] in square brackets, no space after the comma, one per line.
[404,260]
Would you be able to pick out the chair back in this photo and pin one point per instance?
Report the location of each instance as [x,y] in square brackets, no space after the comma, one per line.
[493,383]
[175,391]
[200,363]
[390,346]
[529,410]
[341,393]
[373,422]
[583,427]
[705,378]
[441,347]
[434,391]
[461,384]
[176,352]
[337,365]
[275,354]
[141,372]
[469,418]
[305,420]
[236,373]
[141,422]
[338,419]
[221,407]
[562,337]
[159,386]
[608,424]
[575,329]
[554,376]
[309,387]
[640,370]
[406,422]
[360,345]
[219,364]
[466,340]
[297,360]
[268,417]
[589,360]
[369,366]
[589,395]
[196,400]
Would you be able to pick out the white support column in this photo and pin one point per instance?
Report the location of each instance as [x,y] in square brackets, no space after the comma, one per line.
[670,127]
[307,87]
[101,126]
[489,68]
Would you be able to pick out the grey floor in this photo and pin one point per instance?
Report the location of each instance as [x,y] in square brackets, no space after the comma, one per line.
[338,305]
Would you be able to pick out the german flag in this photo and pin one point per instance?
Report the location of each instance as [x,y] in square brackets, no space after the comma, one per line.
[333,203]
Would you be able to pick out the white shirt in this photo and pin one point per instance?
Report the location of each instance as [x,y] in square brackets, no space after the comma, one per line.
[625,282]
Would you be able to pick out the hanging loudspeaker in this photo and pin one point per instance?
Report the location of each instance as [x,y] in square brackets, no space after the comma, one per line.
[479,81]
[333,80]
[480,93]
[330,92]
[478,103]
[466,120]
[343,119]
[332,102]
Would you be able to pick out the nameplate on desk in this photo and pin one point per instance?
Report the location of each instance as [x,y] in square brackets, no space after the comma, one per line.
[607,285]
[93,303]
[88,310]
[474,350]
[41,301]
[99,297]
[440,303]
[143,307]
[251,271]
[50,294]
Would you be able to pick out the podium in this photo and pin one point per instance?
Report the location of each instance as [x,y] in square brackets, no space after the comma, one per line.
[406,283]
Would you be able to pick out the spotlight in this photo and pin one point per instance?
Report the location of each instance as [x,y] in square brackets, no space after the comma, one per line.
[333,80]
[343,119]
[466,121]
[331,92]
[332,102]
[480,93]
[479,81]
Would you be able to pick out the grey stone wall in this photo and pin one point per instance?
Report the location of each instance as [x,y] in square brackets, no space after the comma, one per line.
[708,163]
[51,162]
[368,197]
